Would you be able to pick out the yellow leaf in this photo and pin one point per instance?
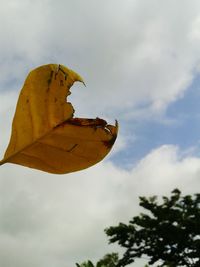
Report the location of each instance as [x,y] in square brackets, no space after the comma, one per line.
[45,135]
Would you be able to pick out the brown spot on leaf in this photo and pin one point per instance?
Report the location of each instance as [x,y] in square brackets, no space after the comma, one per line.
[72,148]
[96,123]
[111,142]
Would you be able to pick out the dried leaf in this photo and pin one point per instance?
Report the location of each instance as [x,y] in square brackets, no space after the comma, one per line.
[45,135]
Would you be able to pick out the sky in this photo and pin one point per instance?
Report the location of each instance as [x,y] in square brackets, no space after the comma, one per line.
[140,61]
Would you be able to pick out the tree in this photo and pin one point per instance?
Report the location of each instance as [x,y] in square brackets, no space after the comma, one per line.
[109,260]
[168,234]
[85,264]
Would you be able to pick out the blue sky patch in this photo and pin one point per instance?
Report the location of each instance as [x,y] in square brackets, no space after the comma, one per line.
[182,130]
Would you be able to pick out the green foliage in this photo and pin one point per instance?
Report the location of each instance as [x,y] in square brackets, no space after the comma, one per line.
[85,264]
[109,260]
[169,233]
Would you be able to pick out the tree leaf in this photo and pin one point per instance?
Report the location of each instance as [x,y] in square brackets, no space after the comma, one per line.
[45,135]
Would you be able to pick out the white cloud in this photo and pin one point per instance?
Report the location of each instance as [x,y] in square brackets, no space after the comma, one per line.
[130,53]
[58,220]
[136,57]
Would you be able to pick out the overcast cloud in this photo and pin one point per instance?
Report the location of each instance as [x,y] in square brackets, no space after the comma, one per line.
[137,58]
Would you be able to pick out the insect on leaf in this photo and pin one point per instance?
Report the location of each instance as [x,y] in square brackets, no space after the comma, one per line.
[45,135]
